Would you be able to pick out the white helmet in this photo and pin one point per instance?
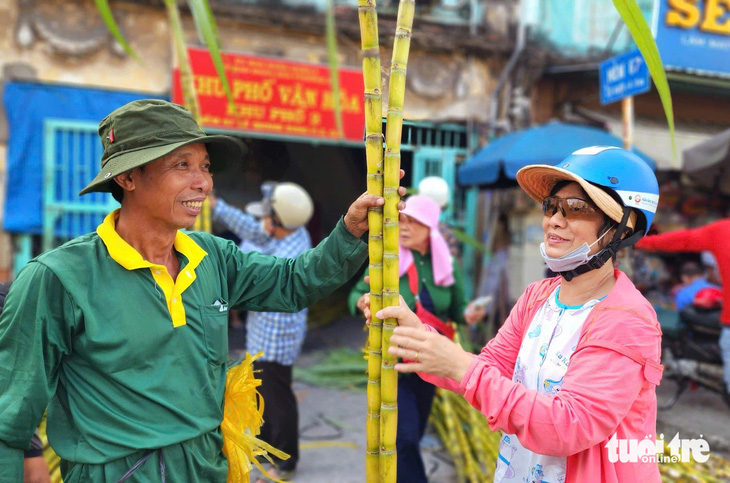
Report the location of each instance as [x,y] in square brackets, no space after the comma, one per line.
[292,205]
[288,201]
[435,188]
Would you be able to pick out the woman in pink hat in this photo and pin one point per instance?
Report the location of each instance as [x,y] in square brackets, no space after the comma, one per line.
[570,378]
[431,284]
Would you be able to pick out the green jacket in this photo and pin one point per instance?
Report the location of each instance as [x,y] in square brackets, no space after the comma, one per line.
[127,359]
[449,301]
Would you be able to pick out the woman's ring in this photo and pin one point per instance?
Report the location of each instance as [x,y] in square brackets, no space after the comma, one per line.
[415,358]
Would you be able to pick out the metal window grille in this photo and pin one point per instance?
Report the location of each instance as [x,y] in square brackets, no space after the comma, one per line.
[72,153]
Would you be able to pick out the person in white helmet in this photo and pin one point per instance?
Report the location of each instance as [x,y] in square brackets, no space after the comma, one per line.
[276,226]
[437,189]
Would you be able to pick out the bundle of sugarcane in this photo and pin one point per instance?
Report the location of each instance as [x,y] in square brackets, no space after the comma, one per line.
[54,462]
[714,470]
[383,171]
[465,433]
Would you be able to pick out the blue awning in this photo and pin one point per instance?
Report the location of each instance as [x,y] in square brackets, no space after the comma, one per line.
[546,144]
[27,106]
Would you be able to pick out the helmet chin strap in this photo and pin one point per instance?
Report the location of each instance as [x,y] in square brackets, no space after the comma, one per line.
[605,254]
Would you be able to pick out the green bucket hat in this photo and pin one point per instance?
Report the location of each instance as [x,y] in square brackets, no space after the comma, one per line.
[148,129]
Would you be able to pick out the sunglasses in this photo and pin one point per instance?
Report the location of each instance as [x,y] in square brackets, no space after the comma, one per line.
[573,208]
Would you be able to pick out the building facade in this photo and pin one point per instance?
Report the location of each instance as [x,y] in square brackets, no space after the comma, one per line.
[62,69]
[576,36]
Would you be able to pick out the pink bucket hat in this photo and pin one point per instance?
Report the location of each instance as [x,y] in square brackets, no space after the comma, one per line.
[427,212]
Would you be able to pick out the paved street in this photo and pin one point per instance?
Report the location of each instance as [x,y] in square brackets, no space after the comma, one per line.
[699,413]
[332,422]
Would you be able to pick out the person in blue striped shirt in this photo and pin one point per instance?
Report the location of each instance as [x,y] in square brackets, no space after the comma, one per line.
[276,226]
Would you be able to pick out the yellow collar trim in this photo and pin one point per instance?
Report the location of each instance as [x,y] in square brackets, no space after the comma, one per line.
[129,258]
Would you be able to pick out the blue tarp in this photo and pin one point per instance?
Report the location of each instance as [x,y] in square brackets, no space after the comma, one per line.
[546,144]
[27,106]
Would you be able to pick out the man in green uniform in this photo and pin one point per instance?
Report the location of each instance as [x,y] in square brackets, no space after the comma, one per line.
[122,333]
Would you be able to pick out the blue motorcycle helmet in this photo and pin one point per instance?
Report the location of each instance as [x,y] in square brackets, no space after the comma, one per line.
[618,182]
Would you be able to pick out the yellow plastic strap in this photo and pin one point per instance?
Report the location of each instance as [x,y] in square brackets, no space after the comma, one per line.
[242,420]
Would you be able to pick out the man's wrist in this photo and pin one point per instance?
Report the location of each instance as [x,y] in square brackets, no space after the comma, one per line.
[352,228]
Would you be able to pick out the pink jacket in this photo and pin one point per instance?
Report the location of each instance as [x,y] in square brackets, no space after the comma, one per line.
[610,385]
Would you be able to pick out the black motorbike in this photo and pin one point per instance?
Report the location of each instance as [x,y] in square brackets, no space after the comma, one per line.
[691,351]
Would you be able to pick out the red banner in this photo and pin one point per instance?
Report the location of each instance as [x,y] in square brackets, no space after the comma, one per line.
[275,96]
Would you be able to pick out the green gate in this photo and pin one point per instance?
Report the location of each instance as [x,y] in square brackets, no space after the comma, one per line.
[72,153]
[437,149]
[71,157]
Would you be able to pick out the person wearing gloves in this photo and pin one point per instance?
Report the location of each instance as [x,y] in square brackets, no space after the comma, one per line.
[431,284]
[573,372]
[276,225]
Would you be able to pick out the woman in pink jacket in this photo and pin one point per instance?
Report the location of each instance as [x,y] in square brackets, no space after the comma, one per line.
[573,371]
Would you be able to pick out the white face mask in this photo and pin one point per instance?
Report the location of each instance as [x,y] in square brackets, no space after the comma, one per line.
[263,226]
[571,260]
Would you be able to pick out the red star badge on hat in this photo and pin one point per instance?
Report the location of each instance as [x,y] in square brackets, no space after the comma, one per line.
[110,137]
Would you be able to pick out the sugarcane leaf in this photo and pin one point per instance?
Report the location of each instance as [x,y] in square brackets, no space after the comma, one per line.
[641,33]
[343,367]
[106,15]
[208,33]
[464,237]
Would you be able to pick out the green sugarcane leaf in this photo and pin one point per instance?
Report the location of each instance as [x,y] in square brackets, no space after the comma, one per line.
[187,83]
[464,237]
[106,15]
[641,33]
[334,67]
[208,33]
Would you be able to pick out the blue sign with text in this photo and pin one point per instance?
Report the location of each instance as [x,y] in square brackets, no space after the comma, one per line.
[622,76]
[694,36]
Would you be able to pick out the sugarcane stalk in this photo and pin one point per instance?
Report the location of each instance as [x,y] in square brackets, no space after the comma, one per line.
[457,452]
[334,65]
[391,182]
[465,434]
[478,438]
[374,155]
[187,86]
[469,471]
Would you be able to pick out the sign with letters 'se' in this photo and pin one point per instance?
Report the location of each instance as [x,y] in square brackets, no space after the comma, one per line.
[693,35]
[622,76]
